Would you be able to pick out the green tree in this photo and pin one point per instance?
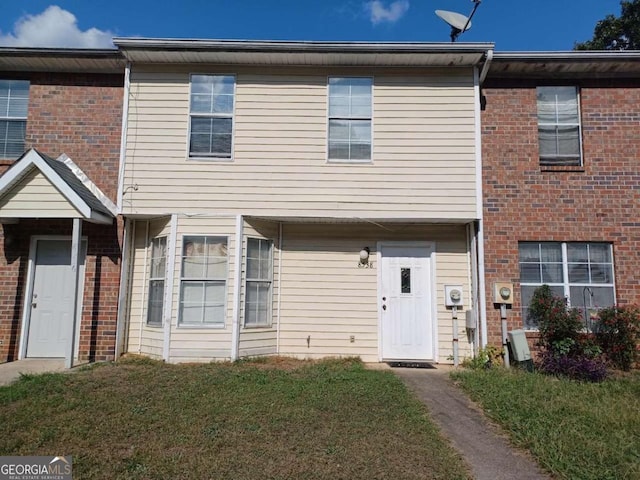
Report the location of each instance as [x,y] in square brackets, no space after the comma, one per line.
[616,33]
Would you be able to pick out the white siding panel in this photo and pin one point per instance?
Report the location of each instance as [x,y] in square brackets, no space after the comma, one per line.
[35,197]
[326,298]
[144,339]
[423,130]
[207,343]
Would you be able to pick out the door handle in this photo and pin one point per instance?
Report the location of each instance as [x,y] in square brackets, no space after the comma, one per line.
[34,304]
[384,307]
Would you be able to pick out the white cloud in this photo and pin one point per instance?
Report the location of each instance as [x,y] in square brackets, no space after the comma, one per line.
[378,13]
[54,27]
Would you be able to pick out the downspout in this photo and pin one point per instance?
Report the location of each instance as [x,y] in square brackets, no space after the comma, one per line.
[235,330]
[123,292]
[478,79]
[279,287]
[123,137]
[485,67]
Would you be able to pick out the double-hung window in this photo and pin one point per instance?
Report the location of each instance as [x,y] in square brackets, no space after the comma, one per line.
[350,119]
[203,281]
[156,280]
[580,272]
[14,100]
[559,126]
[211,116]
[257,305]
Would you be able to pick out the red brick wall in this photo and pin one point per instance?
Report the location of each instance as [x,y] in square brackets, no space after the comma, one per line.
[100,297]
[525,202]
[80,115]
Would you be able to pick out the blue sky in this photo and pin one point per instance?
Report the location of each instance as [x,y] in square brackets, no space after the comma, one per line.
[511,24]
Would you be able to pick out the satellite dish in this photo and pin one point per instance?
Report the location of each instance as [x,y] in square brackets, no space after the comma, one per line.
[455,20]
[458,22]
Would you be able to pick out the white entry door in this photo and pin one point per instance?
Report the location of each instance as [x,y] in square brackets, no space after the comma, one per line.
[406,303]
[52,296]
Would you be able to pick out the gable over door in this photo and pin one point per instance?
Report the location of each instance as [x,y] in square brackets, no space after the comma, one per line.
[406,302]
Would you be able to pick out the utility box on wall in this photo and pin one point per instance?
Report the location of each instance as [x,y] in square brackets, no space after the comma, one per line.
[519,346]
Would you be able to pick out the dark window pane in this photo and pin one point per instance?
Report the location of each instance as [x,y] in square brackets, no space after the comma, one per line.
[552,273]
[577,252]
[529,252]
[600,252]
[156,294]
[601,273]
[578,273]
[530,273]
[405,280]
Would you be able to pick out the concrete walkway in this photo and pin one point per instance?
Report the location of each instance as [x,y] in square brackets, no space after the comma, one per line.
[10,371]
[489,454]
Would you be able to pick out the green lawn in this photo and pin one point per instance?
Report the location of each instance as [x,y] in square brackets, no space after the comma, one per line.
[576,430]
[276,419]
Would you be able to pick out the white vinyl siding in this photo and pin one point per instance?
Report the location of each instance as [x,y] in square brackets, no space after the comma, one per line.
[424,133]
[580,272]
[14,102]
[158,270]
[35,197]
[203,281]
[143,338]
[559,126]
[350,115]
[259,274]
[327,298]
[211,116]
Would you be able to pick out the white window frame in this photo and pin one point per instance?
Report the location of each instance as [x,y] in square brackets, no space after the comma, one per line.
[562,160]
[369,118]
[4,116]
[232,115]
[202,324]
[566,284]
[158,322]
[248,280]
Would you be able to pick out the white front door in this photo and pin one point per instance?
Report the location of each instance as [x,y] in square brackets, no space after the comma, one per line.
[406,302]
[51,302]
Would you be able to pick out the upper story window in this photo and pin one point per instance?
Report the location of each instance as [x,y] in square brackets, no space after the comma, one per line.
[14,100]
[559,126]
[350,119]
[211,116]
[580,272]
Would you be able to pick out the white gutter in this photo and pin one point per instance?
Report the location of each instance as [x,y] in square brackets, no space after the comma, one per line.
[479,212]
[235,329]
[123,137]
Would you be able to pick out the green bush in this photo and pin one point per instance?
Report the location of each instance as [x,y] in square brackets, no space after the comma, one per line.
[560,328]
[617,333]
[566,350]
